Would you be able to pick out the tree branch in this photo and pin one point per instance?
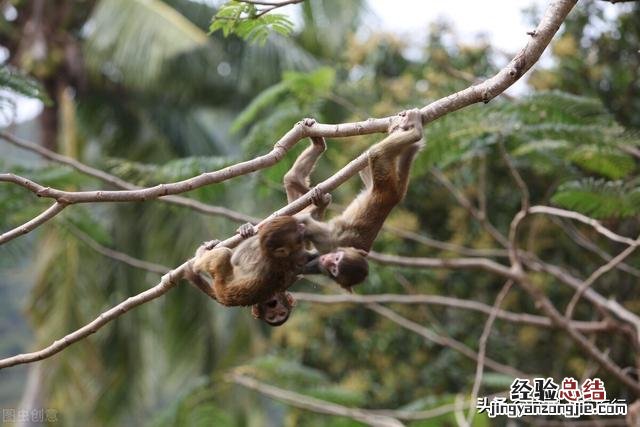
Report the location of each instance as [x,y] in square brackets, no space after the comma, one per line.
[597,274]
[482,346]
[444,341]
[522,318]
[315,405]
[119,183]
[544,304]
[32,224]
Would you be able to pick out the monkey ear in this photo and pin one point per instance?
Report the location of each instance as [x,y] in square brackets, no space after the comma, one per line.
[255,311]
[291,299]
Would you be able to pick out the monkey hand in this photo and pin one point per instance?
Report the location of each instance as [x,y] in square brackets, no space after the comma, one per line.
[320,199]
[246,230]
[206,246]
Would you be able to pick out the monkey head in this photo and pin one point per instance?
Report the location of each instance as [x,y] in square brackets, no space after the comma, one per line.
[282,237]
[346,266]
[276,310]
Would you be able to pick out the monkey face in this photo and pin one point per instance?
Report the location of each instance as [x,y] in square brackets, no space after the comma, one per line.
[276,310]
[346,266]
[331,262]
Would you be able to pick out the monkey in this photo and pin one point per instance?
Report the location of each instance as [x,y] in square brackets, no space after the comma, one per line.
[345,240]
[258,268]
[275,311]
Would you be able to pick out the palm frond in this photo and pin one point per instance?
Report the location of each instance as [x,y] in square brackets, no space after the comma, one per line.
[131,40]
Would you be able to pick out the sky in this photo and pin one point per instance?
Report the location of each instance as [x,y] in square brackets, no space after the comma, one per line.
[501,20]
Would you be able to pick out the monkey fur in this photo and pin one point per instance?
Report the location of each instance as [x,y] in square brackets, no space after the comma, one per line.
[386,180]
[258,268]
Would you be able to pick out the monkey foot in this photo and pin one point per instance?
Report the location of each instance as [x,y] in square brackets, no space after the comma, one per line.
[318,198]
[210,244]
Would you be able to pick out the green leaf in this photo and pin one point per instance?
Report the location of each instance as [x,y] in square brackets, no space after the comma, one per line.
[242,20]
[14,80]
[599,198]
[605,161]
[266,98]
[132,40]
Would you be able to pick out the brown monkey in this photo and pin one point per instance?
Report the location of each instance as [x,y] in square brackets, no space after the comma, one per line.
[259,267]
[345,240]
[276,310]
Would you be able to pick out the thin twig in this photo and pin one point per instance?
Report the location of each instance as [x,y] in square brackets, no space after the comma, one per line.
[597,274]
[548,210]
[120,183]
[466,203]
[522,185]
[544,304]
[444,341]
[117,255]
[313,404]
[32,224]
[445,246]
[464,304]
[584,242]
[482,346]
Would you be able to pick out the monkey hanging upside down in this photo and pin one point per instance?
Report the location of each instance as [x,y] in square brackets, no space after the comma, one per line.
[345,241]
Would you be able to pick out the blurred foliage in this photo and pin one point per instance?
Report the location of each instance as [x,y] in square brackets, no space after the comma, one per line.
[15,81]
[596,54]
[246,21]
[159,101]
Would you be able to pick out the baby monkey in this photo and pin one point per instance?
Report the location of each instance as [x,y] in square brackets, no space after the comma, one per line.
[346,239]
[258,268]
[276,310]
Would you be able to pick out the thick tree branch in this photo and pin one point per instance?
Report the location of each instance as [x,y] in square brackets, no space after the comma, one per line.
[119,183]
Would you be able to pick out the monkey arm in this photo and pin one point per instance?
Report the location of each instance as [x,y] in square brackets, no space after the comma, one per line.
[296,180]
[317,232]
